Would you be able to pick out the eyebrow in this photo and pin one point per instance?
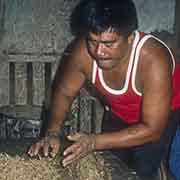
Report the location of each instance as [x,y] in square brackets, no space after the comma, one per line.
[104,42]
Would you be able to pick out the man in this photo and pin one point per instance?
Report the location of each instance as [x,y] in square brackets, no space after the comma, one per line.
[173,157]
[136,75]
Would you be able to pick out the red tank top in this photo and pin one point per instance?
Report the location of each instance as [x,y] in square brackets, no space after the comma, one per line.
[126,103]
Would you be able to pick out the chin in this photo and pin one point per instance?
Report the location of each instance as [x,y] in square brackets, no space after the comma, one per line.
[107,64]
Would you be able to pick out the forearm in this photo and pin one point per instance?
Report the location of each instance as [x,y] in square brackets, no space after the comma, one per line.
[59,109]
[129,137]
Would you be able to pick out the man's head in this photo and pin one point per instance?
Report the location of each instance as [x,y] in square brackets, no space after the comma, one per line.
[97,16]
[108,48]
[107,26]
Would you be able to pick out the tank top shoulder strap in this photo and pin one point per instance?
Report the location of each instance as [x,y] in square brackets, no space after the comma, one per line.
[143,38]
[172,56]
[94,71]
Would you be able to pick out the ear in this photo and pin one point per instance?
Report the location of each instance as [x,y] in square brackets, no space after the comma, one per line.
[130,38]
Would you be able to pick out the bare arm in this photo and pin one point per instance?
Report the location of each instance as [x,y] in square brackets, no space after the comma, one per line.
[69,78]
[156,98]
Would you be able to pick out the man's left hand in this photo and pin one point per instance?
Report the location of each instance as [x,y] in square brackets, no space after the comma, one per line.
[83,144]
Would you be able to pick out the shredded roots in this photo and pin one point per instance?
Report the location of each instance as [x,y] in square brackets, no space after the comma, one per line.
[16,167]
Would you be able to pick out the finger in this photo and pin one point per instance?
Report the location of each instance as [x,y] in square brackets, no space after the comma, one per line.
[71,157]
[74,137]
[34,149]
[69,161]
[55,149]
[46,149]
[30,150]
[71,149]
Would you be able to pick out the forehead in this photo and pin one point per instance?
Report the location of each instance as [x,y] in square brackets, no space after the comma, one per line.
[105,36]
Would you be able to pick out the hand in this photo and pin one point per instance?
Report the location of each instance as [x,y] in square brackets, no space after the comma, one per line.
[49,144]
[83,144]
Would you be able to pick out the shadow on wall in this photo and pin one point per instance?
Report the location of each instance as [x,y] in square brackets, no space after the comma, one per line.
[170,40]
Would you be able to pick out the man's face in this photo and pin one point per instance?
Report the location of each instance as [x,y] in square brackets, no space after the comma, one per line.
[107,48]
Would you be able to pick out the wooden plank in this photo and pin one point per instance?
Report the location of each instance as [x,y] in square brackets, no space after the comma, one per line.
[47,76]
[16,53]
[2,15]
[12,83]
[45,107]
[33,58]
[29,84]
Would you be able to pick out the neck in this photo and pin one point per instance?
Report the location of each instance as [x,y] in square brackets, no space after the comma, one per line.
[127,54]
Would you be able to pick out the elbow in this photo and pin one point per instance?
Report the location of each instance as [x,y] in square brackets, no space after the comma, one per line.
[154,131]
[155,134]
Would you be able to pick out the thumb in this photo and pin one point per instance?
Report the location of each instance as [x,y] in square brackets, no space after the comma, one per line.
[74,137]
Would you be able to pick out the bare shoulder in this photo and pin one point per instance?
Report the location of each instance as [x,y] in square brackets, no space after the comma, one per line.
[156,84]
[155,57]
[74,67]
[77,57]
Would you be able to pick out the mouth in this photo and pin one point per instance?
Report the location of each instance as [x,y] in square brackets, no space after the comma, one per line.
[104,60]
[105,63]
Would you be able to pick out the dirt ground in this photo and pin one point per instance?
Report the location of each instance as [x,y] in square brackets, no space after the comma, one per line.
[23,168]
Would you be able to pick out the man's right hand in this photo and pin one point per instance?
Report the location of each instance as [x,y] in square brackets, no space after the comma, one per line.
[49,145]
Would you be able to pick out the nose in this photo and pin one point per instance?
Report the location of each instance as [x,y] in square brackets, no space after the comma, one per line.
[100,51]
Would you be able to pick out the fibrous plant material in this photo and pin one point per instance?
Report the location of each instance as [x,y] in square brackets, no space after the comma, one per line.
[16,165]
[22,168]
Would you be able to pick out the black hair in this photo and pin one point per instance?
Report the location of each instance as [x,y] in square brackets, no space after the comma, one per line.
[98,15]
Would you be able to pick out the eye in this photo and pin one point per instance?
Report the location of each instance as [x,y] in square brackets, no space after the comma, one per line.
[109,45]
[91,42]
